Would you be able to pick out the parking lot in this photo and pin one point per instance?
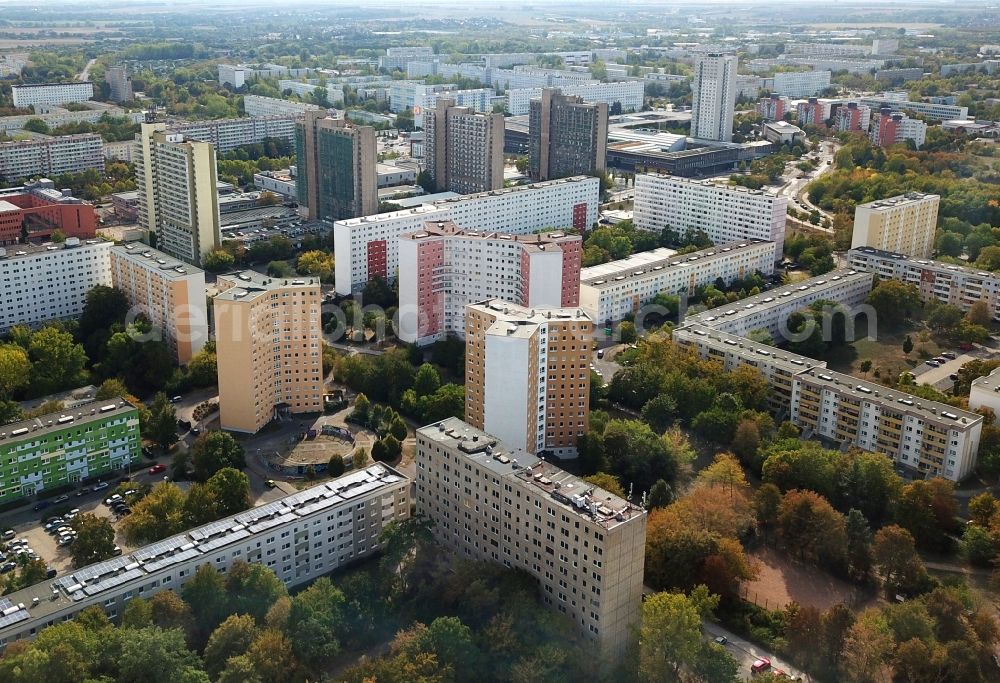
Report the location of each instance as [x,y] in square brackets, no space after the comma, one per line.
[939,377]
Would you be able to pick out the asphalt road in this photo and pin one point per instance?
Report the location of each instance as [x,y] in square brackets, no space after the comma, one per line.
[746,652]
[794,186]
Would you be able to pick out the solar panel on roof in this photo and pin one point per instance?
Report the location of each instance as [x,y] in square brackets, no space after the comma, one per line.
[13,618]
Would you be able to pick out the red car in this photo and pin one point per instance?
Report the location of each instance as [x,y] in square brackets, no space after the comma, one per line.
[156,469]
[761,665]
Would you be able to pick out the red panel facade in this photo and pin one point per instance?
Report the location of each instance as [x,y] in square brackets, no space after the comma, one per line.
[572,257]
[377,259]
[43,218]
[430,295]
[580,216]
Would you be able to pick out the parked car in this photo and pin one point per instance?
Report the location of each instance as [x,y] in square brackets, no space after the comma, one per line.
[61,499]
[50,573]
[760,665]
[7,567]
[112,499]
[721,640]
[157,468]
[953,377]
[600,353]
[100,487]
[117,551]
[72,513]
[66,540]
[933,363]
[949,355]
[9,534]
[83,491]
[176,399]
[270,483]
[41,505]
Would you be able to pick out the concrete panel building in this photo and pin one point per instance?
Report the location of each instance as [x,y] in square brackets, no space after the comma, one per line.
[588,555]
[228,134]
[49,94]
[713,97]
[628,95]
[566,136]
[903,224]
[51,281]
[67,446]
[443,268]
[527,374]
[258,105]
[890,127]
[178,200]
[724,213]
[367,247]
[21,159]
[268,335]
[335,166]
[171,294]
[119,83]
[611,291]
[463,150]
[801,83]
[299,537]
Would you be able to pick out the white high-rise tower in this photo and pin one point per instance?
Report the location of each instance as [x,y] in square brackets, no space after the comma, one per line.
[714,97]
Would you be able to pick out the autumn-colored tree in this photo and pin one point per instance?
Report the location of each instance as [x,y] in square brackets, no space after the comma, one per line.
[812,529]
[896,559]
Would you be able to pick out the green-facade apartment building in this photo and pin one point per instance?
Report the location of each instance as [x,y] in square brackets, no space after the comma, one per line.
[67,447]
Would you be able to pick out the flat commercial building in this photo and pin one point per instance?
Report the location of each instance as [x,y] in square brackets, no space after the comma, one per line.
[228,134]
[367,247]
[713,101]
[335,166]
[933,438]
[67,446]
[178,200]
[51,156]
[279,182]
[904,224]
[946,282]
[801,83]
[299,537]
[624,95]
[724,213]
[463,150]
[527,374]
[929,110]
[45,94]
[566,136]
[51,281]
[492,501]
[769,311]
[40,210]
[443,268]
[611,291]
[258,105]
[268,335]
[170,294]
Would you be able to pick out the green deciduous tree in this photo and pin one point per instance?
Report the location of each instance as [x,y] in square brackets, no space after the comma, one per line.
[230,490]
[213,451]
[162,425]
[670,636]
[95,540]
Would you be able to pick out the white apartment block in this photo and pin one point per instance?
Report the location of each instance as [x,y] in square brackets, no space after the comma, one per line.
[258,105]
[368,247]
[611,291]
[170,294]
[50,282]
[300,538]
[725,213]
[51,156]
[231,74]
[44,94]
[892,127]
[713,100]
[443,268]
[228,134]
[985,393]
[493,502]
[801,83]
[827,49]
[12,63]
[770,310]
[948,283]
[405,95]
[537,77]
[629,94]
[903,224]
[57,116]
[398,57]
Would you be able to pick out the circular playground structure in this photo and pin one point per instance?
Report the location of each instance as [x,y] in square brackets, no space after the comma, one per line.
[314,448]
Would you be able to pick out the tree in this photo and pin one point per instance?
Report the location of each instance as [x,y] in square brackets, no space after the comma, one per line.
[252,589]
[812,528]
[982,508]
[199,506]
[206,593]
[359,459]
[213,451]
[607,482]
[397,429]
[104,307]
[111,388]
[315,262]
[56,361]
[317,623]
[272,656]
[660,495]
[427,380]
[859,545]
[230,489]
[162,426]
[169,611]
[670,636]
[95,540]
[15,369]
[927,509]
[335,467]
[155,655]
[218,261]
[746,440]
[907,345]
[627,332]
[979,314]
[867,648]
[896,559]
[156,516]
[660,412]
[232,637]
[387,449]
[978,545]
[894,301]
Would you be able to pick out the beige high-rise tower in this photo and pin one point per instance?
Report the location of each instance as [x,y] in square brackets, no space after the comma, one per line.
[463,150]
[527,374]
[178,198]
[902,225]
[336,167]
[268,339]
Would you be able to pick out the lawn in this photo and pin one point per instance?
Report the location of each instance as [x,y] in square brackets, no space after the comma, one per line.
[885,352]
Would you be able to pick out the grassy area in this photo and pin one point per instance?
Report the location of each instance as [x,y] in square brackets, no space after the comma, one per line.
[885,352]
